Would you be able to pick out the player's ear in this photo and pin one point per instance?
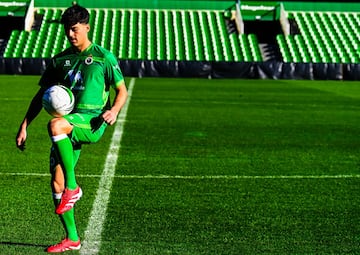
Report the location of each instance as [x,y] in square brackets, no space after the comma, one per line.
[87,27]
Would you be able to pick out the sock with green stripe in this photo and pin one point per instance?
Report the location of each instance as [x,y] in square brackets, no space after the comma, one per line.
[64,149]
[67,219]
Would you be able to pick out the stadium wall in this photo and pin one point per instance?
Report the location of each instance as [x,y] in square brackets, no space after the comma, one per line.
[209,70]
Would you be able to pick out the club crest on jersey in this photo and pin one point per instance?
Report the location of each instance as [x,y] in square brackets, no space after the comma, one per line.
[67,63]
[89,60]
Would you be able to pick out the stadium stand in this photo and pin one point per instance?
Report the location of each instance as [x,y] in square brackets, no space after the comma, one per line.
[325,37]
[144,34]
[200,31]
[200,28]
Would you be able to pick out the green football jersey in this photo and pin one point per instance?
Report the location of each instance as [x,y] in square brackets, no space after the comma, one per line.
[89,74]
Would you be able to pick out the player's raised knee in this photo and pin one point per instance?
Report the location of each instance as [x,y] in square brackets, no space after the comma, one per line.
[57,126]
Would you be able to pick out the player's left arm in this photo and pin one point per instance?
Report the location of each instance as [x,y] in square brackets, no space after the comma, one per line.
[121,95]
[33,111]
[114,77]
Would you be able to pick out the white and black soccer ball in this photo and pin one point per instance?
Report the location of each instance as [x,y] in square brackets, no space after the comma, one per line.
[58,100]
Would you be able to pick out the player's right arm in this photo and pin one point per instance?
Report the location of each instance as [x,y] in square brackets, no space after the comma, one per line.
[33,111]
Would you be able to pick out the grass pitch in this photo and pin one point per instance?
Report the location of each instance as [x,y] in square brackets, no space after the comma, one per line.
[205,167]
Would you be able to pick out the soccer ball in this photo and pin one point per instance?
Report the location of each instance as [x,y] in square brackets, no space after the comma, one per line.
[58,100]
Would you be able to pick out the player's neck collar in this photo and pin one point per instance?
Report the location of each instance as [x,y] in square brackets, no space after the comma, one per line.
[76,50]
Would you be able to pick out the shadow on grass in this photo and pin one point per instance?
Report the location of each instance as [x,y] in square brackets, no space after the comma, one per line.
[23,244]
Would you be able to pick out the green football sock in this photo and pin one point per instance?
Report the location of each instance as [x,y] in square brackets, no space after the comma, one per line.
[64,149]
[68,221]
[70,226]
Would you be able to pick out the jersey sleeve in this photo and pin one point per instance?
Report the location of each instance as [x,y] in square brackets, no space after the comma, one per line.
[113,74]
[52,75]
[48,78]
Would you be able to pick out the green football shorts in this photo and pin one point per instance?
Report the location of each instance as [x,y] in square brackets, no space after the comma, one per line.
[87,128]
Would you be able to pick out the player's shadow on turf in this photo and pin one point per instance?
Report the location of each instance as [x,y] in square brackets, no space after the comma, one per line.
[23,244]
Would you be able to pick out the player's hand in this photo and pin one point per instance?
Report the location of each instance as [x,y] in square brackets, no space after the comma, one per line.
[109,117]
[20,139]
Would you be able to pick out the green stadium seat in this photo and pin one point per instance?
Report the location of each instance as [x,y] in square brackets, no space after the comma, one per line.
[235,47]
[11,43]
[280,38]
[160,35]
[244,48]
[105,29]
[151,45]
[30,44]
[169,36]
[92,23]
[48,14]
[57,15]
[190,42]
[207,40]
[214,36]
[300,45]
[223,36]
[19,47]
[142,44]
[196,32]
[254,46]
[124,34]
[115,33]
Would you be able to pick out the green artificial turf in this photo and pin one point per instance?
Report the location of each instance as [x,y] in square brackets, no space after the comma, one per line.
[205,167]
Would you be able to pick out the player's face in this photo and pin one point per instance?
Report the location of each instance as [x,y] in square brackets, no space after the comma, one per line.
[78,35]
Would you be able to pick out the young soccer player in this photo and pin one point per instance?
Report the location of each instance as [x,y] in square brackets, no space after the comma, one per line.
[89,71]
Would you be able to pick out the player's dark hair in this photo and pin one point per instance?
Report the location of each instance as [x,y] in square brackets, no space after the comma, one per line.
[75,14]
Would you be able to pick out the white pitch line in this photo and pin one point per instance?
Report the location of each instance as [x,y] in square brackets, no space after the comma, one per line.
[196,177]
[92,237]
